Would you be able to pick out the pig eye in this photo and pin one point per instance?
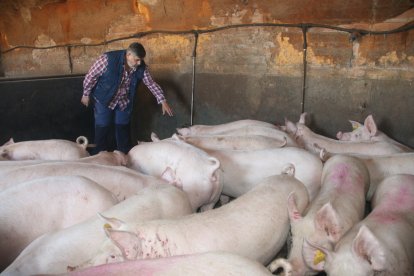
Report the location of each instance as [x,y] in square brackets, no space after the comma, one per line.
[113,256]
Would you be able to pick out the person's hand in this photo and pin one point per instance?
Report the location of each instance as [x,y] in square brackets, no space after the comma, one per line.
[85,100]
[166,108]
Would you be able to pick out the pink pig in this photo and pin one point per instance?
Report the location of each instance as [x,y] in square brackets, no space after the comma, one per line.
[254,225]
[210,263]
[220,128]
[63,250]
[119,180]
[53,149]
[339,205]
[381,244]
[115,158]
[33,208]
[189,167]
[368,132]
[233,142]
[313,142]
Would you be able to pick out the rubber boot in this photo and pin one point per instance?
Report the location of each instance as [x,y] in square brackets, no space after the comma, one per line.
[122,138]
[101,135]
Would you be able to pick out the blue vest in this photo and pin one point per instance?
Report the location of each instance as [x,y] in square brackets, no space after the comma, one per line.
[109,82]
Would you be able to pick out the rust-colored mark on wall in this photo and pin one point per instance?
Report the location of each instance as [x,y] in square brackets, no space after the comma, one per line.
[389,58]
[205,10]
[142,10]
[287,55]
[44,41]
[318,60]
[26,14]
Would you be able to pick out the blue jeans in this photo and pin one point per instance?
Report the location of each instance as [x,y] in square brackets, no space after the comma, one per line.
[104,116]
[104,119]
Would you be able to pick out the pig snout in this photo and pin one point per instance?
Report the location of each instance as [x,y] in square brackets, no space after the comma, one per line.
[343,136]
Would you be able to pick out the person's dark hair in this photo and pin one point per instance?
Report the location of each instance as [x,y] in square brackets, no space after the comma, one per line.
[137,49]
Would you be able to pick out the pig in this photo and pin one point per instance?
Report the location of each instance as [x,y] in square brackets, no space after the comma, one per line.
[218,129]
[33,208]
[315,143]
[121,181]
[52,149]
[63,250]
[189,167]
[381,244]
[115,158]
[254,225]
[242,170]
[338,206]
[224,142]
[210,263]
[249,130]
[381,167]
[109,158]
[368,132]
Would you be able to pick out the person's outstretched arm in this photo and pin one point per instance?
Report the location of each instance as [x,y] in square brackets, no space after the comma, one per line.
[156,90]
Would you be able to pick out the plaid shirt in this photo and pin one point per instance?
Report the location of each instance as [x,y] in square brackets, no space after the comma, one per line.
[121,96]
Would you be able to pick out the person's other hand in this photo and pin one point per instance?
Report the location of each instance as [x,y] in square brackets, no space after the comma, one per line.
[85,100]
[166,108]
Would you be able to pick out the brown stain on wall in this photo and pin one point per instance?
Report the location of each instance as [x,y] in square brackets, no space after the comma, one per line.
[68,21]
[261,50]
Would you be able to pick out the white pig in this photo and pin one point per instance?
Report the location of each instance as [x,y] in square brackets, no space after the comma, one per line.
[381,244]
[254,225]
[121,181]
[115,158]
[368,132]
[191,168]
[33,208]
[61,251]
[210,263]
[338,206]
[381,167]
[218,129]
[241,170]
[315,142]
[52,149]
[243,142]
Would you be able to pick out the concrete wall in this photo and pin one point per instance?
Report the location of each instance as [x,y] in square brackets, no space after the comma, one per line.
[245,72]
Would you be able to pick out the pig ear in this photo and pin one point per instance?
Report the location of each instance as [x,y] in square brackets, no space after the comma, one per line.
[128,242]
[11,141]
[294,214]
[302,118]
[327,220]
[371,126]
[290,127]
[368,247]
[170,176]
[355,125]
[154,137]
[111,222]
[315,256]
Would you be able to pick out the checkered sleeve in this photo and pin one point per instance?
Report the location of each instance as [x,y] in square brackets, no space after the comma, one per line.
[155,89]
[96,70]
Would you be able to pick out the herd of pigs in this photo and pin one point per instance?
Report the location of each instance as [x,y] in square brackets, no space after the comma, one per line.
[211,200]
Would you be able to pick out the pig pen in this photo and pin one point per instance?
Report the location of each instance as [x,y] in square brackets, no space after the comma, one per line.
[212,75]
